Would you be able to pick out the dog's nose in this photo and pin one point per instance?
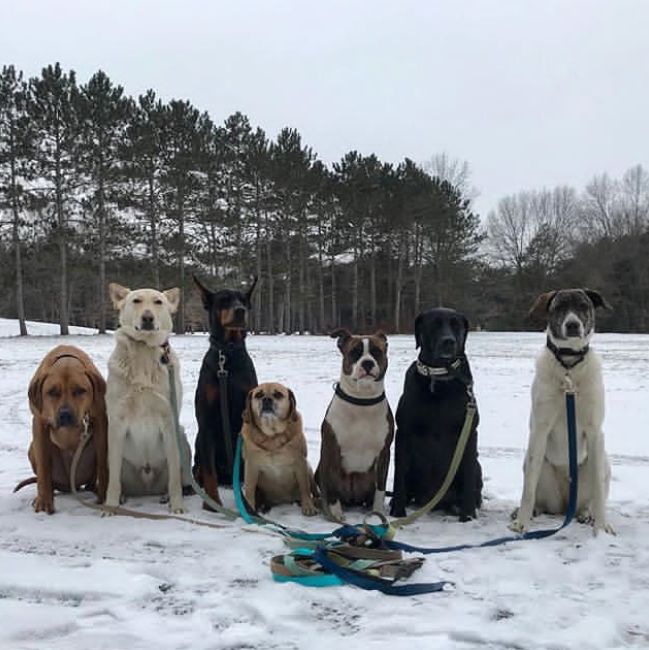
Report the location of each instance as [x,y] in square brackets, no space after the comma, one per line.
[266,404]
[447,345]
[572,328]
[240,313]
[367,365]
[147,320]
[65,417]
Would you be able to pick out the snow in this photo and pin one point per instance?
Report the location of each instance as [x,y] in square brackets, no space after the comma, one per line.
[75,580]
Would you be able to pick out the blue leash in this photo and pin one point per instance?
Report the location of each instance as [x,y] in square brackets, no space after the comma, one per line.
[368,582]
[532,534]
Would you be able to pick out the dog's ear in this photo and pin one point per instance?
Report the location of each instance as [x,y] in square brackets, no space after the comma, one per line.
[465,320]
[418,325]
[597,299]
[247,411]
[539,311]
[292,411]
[98,384]
[35,391]
[381,335]
[117,294]
[206,294]
[173,296]
[342,334]
[252,288]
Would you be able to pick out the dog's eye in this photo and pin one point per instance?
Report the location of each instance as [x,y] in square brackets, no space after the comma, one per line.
[78,390]
[137,301]
[278,395]
[259,395]
[375,351]
[356,352]
[54,392]
[157,301]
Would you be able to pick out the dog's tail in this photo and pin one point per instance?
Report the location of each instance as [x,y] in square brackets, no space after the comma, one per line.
[27,481]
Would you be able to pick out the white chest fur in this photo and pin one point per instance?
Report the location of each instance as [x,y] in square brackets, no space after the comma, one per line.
[360,432]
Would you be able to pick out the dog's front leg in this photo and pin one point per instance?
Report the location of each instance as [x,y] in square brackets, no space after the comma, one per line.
[173,464]
[116,435]
[382,465]
[534,457]
[251,480]
[44,501]
[599,477]
[401,455]
[468,471]
[303,477]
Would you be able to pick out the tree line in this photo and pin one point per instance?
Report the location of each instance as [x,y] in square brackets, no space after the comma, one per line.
[96,185]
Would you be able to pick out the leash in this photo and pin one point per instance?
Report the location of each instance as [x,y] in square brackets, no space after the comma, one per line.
[571,418]
[119,510]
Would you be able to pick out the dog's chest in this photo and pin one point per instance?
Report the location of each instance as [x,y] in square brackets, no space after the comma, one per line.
[360,432]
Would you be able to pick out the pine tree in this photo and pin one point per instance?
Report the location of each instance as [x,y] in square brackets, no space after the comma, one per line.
[53,110]
[104,112]
[16,168]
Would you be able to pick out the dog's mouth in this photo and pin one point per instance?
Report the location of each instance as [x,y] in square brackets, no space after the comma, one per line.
[147,327]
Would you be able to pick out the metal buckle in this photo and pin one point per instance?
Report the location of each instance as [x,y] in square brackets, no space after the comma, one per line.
[221,372]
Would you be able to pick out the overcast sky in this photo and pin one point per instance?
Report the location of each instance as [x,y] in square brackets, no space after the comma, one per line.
[531,94]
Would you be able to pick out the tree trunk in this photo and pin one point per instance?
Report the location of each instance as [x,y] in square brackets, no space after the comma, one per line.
[153,221]
[20,298]
[270,325]
[180,328]
[373,287]
[256,317]
[302,284]
[334,308]
[64,316]
[399,287]
[288,325]
[102,252]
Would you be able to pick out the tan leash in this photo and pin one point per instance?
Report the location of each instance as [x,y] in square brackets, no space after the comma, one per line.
[471,410]
[119,510]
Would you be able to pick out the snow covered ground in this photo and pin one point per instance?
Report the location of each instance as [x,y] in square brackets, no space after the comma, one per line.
[77,581]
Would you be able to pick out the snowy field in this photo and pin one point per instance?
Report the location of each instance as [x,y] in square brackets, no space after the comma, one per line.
[77,581]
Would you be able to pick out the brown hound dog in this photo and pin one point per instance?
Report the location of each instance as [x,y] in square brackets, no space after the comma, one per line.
[66,395]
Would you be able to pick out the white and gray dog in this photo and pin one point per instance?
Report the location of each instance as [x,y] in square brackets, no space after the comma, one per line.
[569,315]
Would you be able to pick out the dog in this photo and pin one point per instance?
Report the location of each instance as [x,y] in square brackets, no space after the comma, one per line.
[143,456]
[569,315]
[358,428]
[228,317]
[430,416]
[66,397]
[275,452]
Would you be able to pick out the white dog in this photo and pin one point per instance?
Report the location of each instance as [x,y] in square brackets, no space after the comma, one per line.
[143,453]
[570,318]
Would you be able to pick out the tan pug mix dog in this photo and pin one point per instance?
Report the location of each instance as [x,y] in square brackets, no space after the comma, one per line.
[274,448]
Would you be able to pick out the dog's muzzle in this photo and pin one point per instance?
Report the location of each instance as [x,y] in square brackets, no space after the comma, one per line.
[573,329]
[147,321]
[65,417]
[267,405]
[447,347]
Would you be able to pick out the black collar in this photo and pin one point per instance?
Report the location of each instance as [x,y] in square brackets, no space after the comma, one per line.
[560,353]
[358,401]
[227,346]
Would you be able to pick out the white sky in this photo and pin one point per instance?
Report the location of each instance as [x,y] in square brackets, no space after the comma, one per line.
[531,93]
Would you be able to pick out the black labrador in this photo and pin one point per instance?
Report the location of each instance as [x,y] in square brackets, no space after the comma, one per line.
[430,416]
[228,317]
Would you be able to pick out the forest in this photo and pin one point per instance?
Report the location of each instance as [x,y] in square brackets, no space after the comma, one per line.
[98,186]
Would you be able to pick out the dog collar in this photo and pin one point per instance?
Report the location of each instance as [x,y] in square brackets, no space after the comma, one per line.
[358,401]
[559,353]
[438,372]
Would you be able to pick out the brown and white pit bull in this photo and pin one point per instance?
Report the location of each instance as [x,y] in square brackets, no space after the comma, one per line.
[357,430]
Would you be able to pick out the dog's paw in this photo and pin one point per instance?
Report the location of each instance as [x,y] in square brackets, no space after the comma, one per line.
[603,526]
[518,526]
[397,511]
[468,516]
[188,491]
[43,504]
[309,509]
[336,513]
[585,518]
[176,506]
